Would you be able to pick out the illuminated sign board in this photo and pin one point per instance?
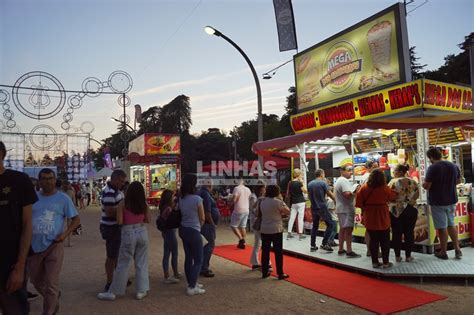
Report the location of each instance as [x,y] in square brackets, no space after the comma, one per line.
[400,98]
[368,56]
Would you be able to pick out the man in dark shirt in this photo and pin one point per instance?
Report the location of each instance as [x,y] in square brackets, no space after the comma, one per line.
[440,181]
[17,195]
[318,189]
[208,230]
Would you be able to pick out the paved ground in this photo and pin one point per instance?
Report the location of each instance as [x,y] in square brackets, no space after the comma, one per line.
[235,289]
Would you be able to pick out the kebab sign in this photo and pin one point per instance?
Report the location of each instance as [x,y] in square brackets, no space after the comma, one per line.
[366,57]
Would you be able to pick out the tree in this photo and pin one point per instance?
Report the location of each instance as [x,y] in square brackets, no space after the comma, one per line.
[290,109]
[150,120]
[416,67]
[213,145]
[454,70]
[175,117]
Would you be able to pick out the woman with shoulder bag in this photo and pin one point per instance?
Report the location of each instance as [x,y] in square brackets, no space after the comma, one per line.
[170,243]
[403,212]
[272,209]
[373,198]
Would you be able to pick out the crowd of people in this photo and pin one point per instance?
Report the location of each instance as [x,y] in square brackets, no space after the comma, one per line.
[386,207]
[32,229]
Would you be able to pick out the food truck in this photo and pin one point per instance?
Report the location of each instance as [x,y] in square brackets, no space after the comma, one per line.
[155,162]
[356,101]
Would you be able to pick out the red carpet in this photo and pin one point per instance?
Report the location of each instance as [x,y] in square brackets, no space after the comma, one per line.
[373,295]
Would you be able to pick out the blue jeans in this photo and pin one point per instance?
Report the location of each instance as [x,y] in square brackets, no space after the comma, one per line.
[192,244]
[170,248]
[314,229]
[209,233]
[133,247]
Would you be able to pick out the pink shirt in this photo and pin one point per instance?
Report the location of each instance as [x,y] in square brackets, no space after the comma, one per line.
[131,218]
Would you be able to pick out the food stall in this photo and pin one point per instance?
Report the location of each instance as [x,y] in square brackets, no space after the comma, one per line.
[397,130]
[155,162]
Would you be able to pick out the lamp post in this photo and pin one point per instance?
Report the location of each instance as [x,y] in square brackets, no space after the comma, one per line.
[212,31]
[124,123]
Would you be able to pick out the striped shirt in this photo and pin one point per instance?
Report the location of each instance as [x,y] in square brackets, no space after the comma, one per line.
[111,197]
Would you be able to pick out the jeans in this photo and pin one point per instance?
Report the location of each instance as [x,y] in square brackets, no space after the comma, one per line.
[277,240]
[170,248]
[315,228]
[334,232]
[404,224]
[330,226]
[379,238]
[44,269]
[192,244]
[297,209]
[133,247]
[209,233]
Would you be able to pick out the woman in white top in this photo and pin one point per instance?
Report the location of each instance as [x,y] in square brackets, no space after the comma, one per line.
[272,210]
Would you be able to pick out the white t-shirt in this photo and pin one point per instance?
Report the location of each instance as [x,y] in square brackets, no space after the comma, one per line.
[242,203]
[343,205]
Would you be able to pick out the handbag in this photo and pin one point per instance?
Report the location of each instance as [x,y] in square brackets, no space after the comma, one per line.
[257,225]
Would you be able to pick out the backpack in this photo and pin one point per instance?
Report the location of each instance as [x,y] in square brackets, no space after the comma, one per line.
[170,221]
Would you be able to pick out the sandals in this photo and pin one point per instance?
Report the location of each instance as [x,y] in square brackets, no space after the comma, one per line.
[389,265]
[377,265]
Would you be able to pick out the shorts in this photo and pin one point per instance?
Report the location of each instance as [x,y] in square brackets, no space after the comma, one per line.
[112,234]
[239,219]
[346,220]
[443,216]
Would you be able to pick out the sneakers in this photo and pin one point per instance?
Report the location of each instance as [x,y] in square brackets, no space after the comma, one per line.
[388,265]
[283,276]
[141,295]
[458,254]
[377,265]
[266,275]
[199,285]
[32,296]
[353,255]
[241,244]
[288,236]
[302,237]
[341,252]
[171,279]
[207,274]
[441,256]
[313,248]
[106,296]
[195,291]
[409,259]
[333,244]
[327,248]
[255,267]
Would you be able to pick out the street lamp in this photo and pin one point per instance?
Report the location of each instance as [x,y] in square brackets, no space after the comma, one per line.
[123,122]
[212,31]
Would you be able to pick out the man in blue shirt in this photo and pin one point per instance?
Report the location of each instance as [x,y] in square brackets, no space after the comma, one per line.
[318,189]
[440,181]
[49,214]
[208,230]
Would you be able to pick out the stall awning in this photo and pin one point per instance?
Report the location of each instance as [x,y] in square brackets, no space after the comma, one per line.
[273,146]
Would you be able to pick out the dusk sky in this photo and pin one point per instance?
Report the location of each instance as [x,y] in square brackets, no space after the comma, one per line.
[163,46]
